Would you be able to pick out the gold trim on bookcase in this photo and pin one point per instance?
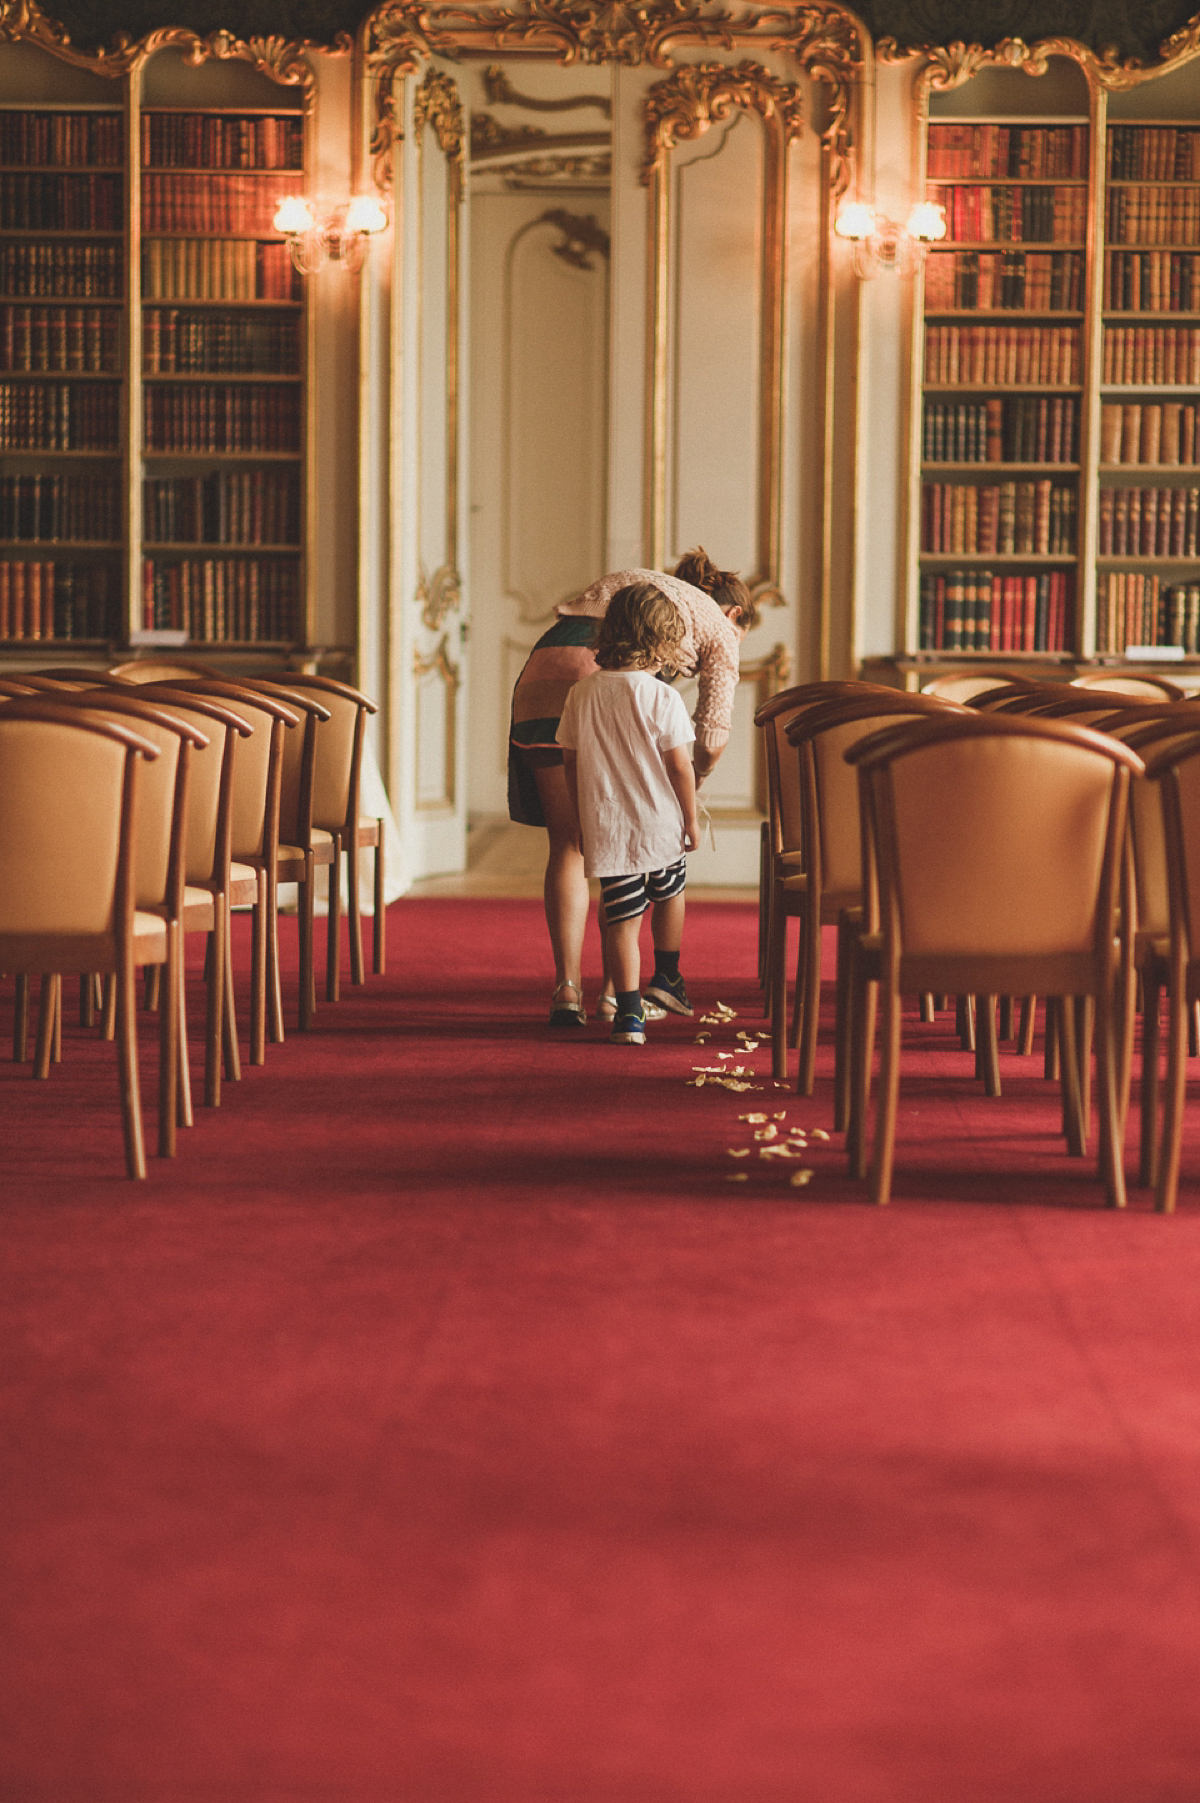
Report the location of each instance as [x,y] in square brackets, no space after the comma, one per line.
[439,660]
[826,41]
[683,107]
[24,20]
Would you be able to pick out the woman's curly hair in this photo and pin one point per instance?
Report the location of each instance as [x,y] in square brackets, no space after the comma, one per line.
[725,586]
[640,628]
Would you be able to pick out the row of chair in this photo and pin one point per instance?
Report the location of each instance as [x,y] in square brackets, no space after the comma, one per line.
[146,802]
[1020,839]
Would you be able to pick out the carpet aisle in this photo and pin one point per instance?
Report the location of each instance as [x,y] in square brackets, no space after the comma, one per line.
[444,1424]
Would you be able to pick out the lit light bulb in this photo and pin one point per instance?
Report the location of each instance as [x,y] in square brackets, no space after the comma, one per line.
[856,220]
[927,221]
[365,214]
[293,216]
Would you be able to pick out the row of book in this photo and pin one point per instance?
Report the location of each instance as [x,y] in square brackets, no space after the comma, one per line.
[222,140]
[997,519]
[62,271]
[1017,281]
[61,339]
[976,610]
[222,600]
[1179,617]
[1149,432]
[45,600]
[1012,429]
[1151,281]
[71,139]
[1149,354]
[39,201]
[1050,215]
[213,203]
[60,416]
[228,507]
[1152,153]
[232,269]
[1129,611]
[1152,215]
[1004,356]
[960,152]
[44,507]
[218,418]
[181,343]
[1149,522]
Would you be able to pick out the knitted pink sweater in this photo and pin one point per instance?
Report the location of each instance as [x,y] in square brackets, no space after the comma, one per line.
[710,644]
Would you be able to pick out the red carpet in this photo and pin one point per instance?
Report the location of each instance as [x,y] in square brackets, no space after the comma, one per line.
[443,1425]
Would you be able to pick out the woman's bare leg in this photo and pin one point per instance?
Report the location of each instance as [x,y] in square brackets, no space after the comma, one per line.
[565,890]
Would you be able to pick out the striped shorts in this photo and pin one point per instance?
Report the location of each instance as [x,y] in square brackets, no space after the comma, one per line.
[628,897]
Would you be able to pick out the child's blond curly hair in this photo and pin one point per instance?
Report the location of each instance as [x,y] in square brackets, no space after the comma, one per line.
[640,628]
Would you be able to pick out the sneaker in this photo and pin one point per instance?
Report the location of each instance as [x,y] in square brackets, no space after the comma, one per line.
[670,992]
[629,1029]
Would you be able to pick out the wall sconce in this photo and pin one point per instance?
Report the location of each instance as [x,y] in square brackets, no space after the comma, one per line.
[880,243]
[319,234]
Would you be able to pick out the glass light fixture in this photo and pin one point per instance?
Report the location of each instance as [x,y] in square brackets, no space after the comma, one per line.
[879,243]
[318,233]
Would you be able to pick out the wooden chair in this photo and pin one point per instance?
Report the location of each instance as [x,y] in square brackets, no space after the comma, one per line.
[69,785]
[336,788]
[1173,768]
[160,870]
[964,685]
[832,849]
[995,863]
[783,887]
[161,669]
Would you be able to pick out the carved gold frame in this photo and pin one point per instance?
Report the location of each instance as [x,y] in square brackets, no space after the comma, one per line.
[823,40]
[440,661]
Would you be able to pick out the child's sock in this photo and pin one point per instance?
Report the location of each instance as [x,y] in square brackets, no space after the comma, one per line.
[666,964]
[629,1001]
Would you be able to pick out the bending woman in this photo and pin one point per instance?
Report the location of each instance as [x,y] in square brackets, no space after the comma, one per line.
[717,611]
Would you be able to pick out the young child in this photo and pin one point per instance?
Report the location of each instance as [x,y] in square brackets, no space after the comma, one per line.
[625,739]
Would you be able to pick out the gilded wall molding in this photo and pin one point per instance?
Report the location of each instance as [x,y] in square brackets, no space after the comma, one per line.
[500,92]
[489,138]
[438,595]
[24,20]
[824,40]
[440,663]
[702,94]
[583,237]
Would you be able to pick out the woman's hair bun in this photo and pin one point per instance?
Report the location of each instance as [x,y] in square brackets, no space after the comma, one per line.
[698,568]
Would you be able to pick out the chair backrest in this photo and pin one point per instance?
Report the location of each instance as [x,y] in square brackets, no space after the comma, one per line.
[829,788]
[210,788]
[1173,769]
[162,801]
[89,675]
[997,694]
[773,718]
[160,669]
[1087,707]
[1032,700]
[997,837]
[337,763]
[13,685]
[68,794]
[1120,683]
[964,685]
[254,810]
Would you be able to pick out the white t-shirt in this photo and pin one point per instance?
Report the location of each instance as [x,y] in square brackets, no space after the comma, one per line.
[619,723]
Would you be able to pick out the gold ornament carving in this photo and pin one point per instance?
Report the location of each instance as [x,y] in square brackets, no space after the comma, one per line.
[555,171]
[437,105]
[438,595]
[491,139]
[824,40]
[582,237]
[500,92]
[703,94]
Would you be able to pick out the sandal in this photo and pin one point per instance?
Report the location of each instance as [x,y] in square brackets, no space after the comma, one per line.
[606,1009]
[564,1013]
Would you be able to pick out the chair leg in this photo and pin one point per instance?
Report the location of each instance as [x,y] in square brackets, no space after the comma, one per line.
[229,1038]
[964,1022]
[56,1049]
[927,1009]
[379,924]
[275,992]
[108,1007]
[258,971]
[1166,1188]
[889,1096]
[1151,1043]
[308,999]
[1108,1106]
[988,1047]
[1085,1016]
[1028,1024]
[184,1116]
[131,1102]
[1064,1010]
[87,1000]
[862,1056]
[153,987]
[214,1017]
[21,1018]
[1050,1049]
[810,1016]
[842,1029]
[354,910]
[333,928]
[777,989]
[168,1045]
[1006,1030]
[44,1047]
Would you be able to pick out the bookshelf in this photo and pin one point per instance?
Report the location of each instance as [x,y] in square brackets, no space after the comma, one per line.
[1148,538]
[155,392]
[1002,360]
[63,368]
